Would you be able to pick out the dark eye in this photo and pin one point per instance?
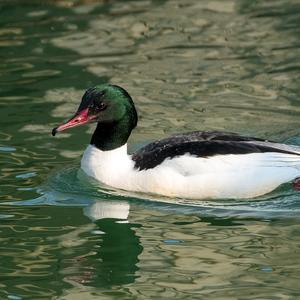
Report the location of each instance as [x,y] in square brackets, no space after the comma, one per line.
[97,106]
[101,106]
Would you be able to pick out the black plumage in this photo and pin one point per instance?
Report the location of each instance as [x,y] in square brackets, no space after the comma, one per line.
[203,144]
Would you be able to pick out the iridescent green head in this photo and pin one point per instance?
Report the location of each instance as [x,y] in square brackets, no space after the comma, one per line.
[114,111]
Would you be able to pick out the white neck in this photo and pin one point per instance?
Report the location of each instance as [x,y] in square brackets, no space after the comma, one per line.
[106,166]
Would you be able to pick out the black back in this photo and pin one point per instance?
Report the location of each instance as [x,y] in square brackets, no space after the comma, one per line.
[201,144]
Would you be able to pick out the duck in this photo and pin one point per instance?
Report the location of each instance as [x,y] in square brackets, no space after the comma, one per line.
[194,165]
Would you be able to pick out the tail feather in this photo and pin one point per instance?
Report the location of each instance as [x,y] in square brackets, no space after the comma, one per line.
[292,149]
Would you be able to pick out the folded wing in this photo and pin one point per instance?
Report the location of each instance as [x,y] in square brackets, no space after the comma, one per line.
[205,144]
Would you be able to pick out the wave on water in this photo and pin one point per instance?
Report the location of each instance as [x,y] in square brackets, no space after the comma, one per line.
[71,187]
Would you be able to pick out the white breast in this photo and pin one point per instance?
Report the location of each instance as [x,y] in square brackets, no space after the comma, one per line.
[222,176]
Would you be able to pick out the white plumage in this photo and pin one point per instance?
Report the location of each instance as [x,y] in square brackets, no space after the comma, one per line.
[220,176]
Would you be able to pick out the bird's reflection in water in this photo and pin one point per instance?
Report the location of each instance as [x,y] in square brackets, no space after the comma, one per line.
[120,246]
[110,247]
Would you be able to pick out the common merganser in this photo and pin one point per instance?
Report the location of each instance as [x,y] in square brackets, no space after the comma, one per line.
[194,165]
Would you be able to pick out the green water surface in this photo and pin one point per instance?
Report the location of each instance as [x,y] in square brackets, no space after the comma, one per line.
[189,65]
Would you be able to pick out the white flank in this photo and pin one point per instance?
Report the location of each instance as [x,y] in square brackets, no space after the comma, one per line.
[221,176]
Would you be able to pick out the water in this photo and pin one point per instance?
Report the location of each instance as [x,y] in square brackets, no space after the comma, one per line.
[217,65]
